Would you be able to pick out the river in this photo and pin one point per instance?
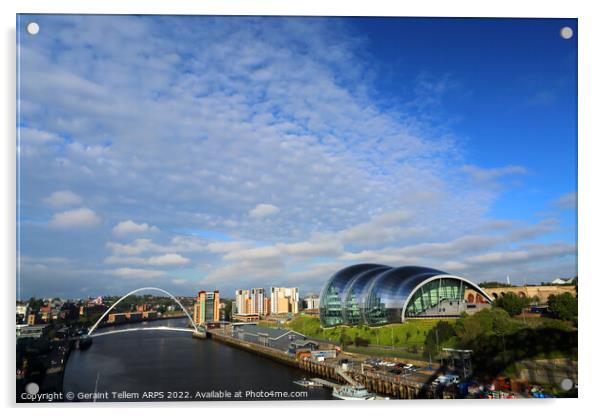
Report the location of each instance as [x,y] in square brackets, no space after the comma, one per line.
[170,365]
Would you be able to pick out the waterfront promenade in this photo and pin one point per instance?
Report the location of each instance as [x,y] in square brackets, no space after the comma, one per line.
[408,386]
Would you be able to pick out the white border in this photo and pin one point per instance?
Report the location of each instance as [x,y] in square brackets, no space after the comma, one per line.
[590,207]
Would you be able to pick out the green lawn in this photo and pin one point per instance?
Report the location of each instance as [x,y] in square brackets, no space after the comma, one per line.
[409,334]
[387,353]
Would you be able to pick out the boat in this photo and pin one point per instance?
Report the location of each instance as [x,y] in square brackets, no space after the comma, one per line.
[349,392]
[306,383]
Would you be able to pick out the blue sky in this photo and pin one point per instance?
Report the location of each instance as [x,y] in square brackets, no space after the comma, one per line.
[223,152]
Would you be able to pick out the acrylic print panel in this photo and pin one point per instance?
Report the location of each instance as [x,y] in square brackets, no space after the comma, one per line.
[295,208]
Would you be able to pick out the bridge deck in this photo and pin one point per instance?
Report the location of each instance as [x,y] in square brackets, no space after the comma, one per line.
[151,328]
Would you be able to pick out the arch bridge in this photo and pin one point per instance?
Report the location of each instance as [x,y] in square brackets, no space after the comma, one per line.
[528,291]
[195,328]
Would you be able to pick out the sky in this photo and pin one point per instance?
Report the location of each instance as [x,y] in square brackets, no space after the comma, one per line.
[198,153]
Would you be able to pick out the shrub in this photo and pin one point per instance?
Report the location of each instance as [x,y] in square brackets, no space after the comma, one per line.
[563,307]
[512,303]
[360,342]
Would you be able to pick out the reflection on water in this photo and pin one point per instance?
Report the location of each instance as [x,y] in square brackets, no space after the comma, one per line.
[170,361]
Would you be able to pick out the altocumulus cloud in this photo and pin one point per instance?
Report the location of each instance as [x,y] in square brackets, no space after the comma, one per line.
[276,164]
[80,217]
[131,273]
[62,198]
[264,210]
[130,227]
[169,259]
[567,201]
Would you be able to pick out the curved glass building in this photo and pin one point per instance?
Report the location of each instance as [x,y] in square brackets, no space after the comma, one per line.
[374,294]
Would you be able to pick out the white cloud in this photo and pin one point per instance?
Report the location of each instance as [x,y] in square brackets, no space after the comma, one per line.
[248,272]
[31,136]
[138,246]
[124,260]
[237,251]
[314,248]
[186,243]
[264,210]
[81,217]
[276,113]
[382,229]
[179,243]
[567,201]
[526,253]
[316,272]
[228,246]
[131,273]
[129,227]
[452,265]
[484,175]
[254,253]
[170,259]
[63,198]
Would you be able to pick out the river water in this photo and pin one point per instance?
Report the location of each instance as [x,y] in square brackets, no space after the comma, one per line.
[170,365]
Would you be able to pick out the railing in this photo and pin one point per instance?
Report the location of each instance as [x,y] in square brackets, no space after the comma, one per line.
[145,328]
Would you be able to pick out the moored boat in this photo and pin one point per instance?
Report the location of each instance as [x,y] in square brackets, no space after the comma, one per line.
[348,392]
[306,383]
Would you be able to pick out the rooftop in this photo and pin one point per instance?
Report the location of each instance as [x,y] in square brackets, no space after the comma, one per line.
[274,333]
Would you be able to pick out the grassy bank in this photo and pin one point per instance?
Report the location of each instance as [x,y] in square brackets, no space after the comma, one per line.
[407,335]
[396,352]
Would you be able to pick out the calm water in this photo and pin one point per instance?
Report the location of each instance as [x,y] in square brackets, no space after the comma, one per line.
[177,367]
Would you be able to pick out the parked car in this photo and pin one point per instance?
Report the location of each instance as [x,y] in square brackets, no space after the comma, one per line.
[447,379]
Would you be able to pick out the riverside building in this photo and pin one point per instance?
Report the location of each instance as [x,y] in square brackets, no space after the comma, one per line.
[284,300]
[206,308]
[374,294]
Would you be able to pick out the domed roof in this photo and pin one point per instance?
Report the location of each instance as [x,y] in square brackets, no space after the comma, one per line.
[375,294]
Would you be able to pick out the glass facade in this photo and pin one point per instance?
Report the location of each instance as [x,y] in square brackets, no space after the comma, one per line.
[352,310]
[331,298]
[374,294]
[434,297]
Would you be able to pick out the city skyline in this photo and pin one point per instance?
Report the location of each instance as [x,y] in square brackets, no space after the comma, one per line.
[243,152]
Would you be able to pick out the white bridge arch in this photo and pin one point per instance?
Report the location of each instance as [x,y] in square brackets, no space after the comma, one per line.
[196,328]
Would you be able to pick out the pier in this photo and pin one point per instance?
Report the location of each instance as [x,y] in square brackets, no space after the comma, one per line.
[329,372]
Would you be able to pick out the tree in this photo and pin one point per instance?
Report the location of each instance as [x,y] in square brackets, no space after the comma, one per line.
[35,304]
[436,336]
[344,339]
[484,322]
[511,303]
[563,307]
[493,284]
[360,342]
